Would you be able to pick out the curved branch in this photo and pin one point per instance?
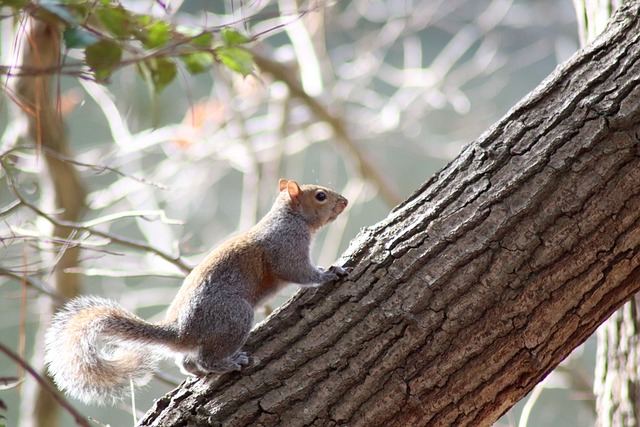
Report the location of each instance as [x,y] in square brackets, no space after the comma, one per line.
[366,168]
[94,167]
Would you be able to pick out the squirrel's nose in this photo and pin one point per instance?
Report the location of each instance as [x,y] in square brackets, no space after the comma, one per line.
[342,203]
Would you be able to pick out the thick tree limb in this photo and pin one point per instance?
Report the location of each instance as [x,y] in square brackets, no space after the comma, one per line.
[617,385]
[477,286]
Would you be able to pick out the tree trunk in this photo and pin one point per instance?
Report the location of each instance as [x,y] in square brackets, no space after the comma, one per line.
[472,290]
[617,383]
[617,386]
[39,122]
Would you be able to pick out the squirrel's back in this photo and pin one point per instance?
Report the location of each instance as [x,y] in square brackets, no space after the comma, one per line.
[248,264]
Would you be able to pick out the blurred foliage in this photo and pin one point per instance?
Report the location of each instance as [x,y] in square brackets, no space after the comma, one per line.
[370,94]
[104,30]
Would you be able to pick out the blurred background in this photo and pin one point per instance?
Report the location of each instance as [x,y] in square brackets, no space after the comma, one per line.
[391,90]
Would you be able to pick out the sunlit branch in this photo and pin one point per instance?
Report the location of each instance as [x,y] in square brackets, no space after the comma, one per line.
[138,245]
[367,169]
[119,273]
[94,167]
[32,283]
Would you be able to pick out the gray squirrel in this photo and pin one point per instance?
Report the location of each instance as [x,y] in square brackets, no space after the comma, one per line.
[94,347]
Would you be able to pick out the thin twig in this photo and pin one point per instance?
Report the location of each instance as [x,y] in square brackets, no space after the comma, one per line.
[176,260]
[33,283]
[166,379]
[80,420]
[10,207]
[119,273]
[143,214]
[96,168]
[28,235]
[367,169]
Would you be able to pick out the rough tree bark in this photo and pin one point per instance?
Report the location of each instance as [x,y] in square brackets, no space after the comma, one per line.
[38,122]
[472,290]
[617,382]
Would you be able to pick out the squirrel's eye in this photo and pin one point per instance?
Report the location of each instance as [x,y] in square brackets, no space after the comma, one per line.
[321,196]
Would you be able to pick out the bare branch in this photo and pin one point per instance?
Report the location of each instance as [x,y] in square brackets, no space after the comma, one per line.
[133,214]
[139,245]
[95,167]
[10,207]
[32,283]
[79,419]
[120,273]
[367,169]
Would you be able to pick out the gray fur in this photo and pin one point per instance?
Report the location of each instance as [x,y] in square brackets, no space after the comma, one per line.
[94,347]
[97,364]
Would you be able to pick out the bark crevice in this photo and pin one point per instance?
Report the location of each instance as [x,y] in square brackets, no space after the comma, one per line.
[475,287]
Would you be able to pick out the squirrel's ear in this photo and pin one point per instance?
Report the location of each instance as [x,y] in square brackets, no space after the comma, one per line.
[294,190]
[282,184]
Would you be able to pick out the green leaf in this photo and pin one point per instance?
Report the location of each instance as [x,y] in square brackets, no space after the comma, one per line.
[116,19]
[76,37]
[162,72]
[102,58]
[16,4]
[232,38]
[143,20]
[197,36]
[79,9]
[197,62]
[59,10]
[203,40]
[158,34]
[236,58]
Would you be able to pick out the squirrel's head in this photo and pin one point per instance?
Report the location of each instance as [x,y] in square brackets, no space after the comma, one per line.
[318,205]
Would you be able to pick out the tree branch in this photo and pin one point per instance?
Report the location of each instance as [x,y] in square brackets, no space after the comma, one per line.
[366,168]
[32,283]
[88,227]
[473,289]
[79,419]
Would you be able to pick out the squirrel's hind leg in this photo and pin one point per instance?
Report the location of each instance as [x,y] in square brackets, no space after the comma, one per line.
[224,352]
[232,363]
[219,347]
[189,366]
[204,365]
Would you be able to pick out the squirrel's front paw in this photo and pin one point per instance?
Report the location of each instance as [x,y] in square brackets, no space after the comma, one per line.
[242,358]
[340,271]
[334,273]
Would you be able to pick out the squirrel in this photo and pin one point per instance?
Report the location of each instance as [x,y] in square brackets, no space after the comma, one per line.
[94,347]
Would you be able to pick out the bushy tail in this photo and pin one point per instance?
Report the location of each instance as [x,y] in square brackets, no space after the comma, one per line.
[93,349]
